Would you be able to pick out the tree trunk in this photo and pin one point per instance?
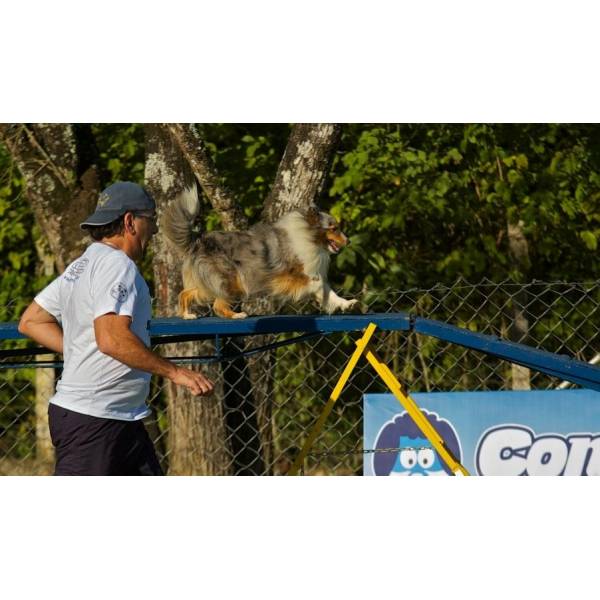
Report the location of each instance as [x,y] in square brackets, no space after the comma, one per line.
[245,405]
[59,165]
[303,170]
[248,384]
[519,329]
[518,250]
[299,183]
[197,441]
[249,448]
[45,379]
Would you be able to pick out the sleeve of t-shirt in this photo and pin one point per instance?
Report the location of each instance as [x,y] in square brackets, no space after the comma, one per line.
[49,299]
[113,287]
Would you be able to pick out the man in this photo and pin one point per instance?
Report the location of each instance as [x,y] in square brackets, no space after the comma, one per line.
[96,314]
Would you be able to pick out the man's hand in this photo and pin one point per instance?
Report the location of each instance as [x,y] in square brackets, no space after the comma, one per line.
[194,381]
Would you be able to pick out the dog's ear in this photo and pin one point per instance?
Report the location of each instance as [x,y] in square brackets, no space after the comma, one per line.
[313,215]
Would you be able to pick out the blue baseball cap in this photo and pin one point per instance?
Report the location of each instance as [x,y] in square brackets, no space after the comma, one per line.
[116,200]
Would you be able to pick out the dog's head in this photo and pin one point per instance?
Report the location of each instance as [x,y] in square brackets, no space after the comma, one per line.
[328,233]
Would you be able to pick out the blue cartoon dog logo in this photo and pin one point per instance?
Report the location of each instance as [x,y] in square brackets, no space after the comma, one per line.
[416,455]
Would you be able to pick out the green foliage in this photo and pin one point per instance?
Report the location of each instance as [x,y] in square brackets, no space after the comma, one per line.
[121,150]
[247,157]
[423,203]
[18,280]
[428,203]
[18,284]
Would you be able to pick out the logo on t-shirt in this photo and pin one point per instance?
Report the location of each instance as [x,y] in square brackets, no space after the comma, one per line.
[119,292]
[76,269]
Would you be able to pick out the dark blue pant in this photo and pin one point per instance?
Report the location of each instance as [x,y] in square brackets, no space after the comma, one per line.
[88,445]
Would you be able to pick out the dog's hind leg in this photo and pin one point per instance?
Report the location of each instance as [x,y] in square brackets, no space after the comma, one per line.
[185,298]
[223,309]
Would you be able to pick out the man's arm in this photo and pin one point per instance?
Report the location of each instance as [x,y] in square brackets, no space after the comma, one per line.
[115,338]
[38,324]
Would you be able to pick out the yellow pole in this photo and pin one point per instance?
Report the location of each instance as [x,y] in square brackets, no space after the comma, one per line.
[361,344]
[418,417]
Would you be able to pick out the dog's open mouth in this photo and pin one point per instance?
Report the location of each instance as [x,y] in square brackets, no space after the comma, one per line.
[333,247]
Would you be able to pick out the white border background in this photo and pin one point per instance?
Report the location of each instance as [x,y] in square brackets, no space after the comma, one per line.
[272,61]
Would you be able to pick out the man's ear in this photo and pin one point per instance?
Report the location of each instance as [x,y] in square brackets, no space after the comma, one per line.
[128,221]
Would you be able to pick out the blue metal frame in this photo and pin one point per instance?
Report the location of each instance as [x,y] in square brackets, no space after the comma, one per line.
[210,326]
[175,329]
[557,365]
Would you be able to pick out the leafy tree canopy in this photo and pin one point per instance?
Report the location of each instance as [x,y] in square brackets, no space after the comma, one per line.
[422,203]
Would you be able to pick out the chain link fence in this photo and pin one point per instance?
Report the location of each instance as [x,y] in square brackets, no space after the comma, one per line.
[265,403]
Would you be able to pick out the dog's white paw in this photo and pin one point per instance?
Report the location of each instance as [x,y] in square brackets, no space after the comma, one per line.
[240,315]
[340,304]
[189,315]
[348,304]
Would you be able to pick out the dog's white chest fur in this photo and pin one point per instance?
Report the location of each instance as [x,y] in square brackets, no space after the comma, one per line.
[301,239]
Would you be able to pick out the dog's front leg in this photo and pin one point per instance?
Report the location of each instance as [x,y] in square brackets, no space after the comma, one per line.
[330,301]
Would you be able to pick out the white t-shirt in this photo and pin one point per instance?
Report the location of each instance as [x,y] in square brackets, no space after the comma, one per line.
[102,280]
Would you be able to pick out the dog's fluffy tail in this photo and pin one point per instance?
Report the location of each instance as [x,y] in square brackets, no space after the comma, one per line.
[178,219]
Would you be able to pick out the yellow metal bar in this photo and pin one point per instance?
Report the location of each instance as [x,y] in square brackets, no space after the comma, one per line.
[418,417]
[361,344]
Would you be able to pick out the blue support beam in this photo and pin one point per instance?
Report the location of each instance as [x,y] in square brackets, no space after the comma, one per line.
[539,360]
[9,331]
[210,326]
[556,365]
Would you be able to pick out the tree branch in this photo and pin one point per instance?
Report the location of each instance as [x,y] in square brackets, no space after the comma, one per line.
[192,147]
